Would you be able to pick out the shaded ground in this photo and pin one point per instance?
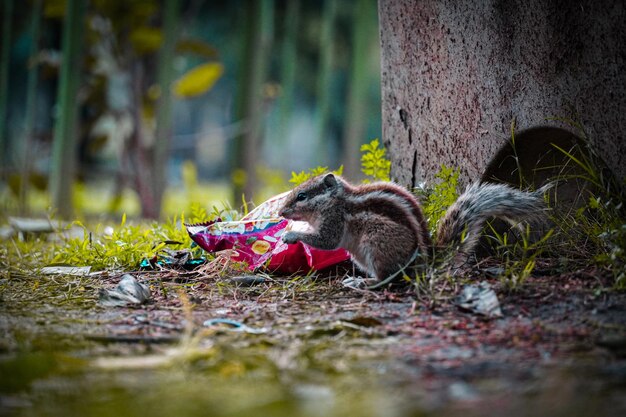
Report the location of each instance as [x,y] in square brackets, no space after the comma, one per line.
[560,349]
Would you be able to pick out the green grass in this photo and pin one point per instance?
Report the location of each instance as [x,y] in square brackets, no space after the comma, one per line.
[592,234]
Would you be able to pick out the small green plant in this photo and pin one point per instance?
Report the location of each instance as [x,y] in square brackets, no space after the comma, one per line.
[597,230]
[374,164]
[124,246]
[519,256]
[302,176]
[615,256]
[442,195]
[197,214]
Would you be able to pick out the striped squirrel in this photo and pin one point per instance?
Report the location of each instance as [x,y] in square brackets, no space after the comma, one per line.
[383,227]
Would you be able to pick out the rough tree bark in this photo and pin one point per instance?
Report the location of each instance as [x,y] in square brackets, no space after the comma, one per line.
[456,73]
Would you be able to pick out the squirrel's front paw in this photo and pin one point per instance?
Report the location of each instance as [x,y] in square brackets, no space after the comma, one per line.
[290,237]
[358,282]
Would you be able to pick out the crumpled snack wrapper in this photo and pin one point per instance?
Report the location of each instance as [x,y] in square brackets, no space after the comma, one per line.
[255,240]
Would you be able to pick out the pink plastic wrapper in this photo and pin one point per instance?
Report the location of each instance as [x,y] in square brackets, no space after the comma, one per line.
[256,241]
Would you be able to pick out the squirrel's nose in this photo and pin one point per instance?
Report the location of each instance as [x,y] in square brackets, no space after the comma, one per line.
[284,212]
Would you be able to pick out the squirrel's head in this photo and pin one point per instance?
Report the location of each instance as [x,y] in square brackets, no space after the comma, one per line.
[308,200]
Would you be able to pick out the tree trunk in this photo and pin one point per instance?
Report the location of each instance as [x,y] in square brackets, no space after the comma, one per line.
[325,77]
[7,23]
[165,76]
[288,66]
[456,73]
[356,120]
[138,158]
[31,107]
[254,67]
[65,136]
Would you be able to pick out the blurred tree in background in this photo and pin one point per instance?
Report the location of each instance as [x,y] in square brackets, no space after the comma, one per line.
[111,100]
[7,29]
[258,25]
[64,145]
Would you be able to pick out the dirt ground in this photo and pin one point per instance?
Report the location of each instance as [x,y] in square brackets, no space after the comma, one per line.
[307,346]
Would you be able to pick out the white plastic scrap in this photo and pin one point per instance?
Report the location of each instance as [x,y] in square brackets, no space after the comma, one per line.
[128,291]
[66,270]
[234,326]
[480,299]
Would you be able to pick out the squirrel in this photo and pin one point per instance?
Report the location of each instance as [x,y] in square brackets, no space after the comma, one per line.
[383,227]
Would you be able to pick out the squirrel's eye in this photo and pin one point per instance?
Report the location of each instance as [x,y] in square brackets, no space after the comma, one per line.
[301,197]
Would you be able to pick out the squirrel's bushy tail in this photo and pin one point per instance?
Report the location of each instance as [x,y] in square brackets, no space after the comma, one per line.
[463,222]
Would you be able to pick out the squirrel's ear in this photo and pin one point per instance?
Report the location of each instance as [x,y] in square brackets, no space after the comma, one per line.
[330,181]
